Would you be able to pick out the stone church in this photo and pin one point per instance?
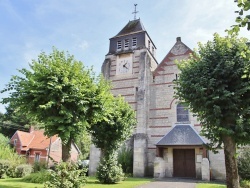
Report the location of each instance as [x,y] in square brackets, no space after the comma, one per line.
[166,140]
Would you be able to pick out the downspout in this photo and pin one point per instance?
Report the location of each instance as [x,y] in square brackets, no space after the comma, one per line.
[49,152]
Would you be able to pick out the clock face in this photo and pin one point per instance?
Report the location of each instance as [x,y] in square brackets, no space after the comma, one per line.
[179,49]
[124,66]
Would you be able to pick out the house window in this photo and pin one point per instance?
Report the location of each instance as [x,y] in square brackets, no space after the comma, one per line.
[182,113]
[134,42]
[126,43]
[37,157]
[153,50]
[149,45]
[119,45]
[15,141]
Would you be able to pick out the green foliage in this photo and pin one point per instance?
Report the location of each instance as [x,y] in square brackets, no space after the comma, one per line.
[83,144]
[7,169]
[61,93]
[125,159]
[109,171]
[39,166]
[10,169]
[116,126]
[9,158]
[14,119]
[245,184]
[23,170]
[215,85]
[241,20]
[66,175]
[244,164]
[38,177]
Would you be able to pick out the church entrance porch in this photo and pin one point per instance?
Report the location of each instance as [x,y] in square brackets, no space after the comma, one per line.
[184,163]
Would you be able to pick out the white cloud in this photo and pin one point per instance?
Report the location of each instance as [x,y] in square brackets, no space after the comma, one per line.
[83,45]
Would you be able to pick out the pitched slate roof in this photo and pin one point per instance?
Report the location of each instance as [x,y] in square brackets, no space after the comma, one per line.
[35,139]
[133,26]
[181,135]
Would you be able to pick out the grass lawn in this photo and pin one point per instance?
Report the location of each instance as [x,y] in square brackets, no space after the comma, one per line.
[209,185]
[92,182]
[17,183]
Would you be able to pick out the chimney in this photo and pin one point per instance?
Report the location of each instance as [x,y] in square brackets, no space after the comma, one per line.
[178,39]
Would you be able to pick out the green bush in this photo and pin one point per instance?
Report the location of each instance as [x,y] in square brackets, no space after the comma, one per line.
[66,175]
[109,171]
[39,166]
[38,177]
[125,159]
[7,169]
[245,184]
[244,164]
[23,170]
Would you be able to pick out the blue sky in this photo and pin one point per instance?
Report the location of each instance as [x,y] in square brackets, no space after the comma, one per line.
[83,27]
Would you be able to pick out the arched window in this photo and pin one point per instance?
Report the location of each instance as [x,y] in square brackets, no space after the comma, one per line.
[182,113]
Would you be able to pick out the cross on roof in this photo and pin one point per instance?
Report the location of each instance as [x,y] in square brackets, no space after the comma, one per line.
[135,12]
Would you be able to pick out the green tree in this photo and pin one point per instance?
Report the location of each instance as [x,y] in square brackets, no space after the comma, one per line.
[12,120]
[84,144]
[108,135]
[116,126]
[215,84]
[241,20]
[59,92]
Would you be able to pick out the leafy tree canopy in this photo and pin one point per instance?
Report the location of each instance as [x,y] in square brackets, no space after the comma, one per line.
[116,127]
[243,18]
[215,83]
[59,92]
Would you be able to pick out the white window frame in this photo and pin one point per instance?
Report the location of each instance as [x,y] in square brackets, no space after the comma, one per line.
[134,42]
[37,157]
[15,141]
[149,45]
[126,43]
[119,45]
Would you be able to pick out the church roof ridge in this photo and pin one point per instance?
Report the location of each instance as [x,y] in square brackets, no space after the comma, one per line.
[133,26]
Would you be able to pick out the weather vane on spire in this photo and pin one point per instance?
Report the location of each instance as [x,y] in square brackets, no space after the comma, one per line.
[135,12]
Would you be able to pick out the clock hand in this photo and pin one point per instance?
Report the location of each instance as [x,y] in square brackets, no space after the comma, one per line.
[125,66]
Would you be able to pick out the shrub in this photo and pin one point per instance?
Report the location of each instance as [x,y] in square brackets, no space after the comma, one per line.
[23,170]
[125,158]
[245,184]
[66,175]
[38,177]
[109,171]
[39,166]
[7,169]
[244,164]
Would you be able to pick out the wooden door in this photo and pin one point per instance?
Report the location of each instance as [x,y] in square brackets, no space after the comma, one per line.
[184,163]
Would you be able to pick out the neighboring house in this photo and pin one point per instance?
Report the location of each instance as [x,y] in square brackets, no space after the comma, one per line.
[34,145]
[166,140]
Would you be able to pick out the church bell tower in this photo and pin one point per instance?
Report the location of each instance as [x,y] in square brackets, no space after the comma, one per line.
[129,65]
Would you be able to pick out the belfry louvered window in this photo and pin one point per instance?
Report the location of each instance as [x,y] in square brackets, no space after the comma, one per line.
[134,42]
[182,113]
[119,45]
[126,43]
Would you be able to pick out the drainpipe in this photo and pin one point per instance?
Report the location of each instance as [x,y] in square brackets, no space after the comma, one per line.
[49,152]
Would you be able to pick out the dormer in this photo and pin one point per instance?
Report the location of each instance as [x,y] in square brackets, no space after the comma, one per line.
[132,37]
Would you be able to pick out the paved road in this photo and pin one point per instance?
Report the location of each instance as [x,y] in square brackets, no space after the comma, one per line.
[171,183]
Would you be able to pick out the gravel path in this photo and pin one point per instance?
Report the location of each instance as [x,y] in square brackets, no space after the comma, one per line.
[171,183]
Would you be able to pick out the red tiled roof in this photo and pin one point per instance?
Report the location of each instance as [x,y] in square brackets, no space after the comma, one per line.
[35,139]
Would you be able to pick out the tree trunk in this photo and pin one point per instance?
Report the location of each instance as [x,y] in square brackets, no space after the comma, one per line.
[66,147]
[231,162]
